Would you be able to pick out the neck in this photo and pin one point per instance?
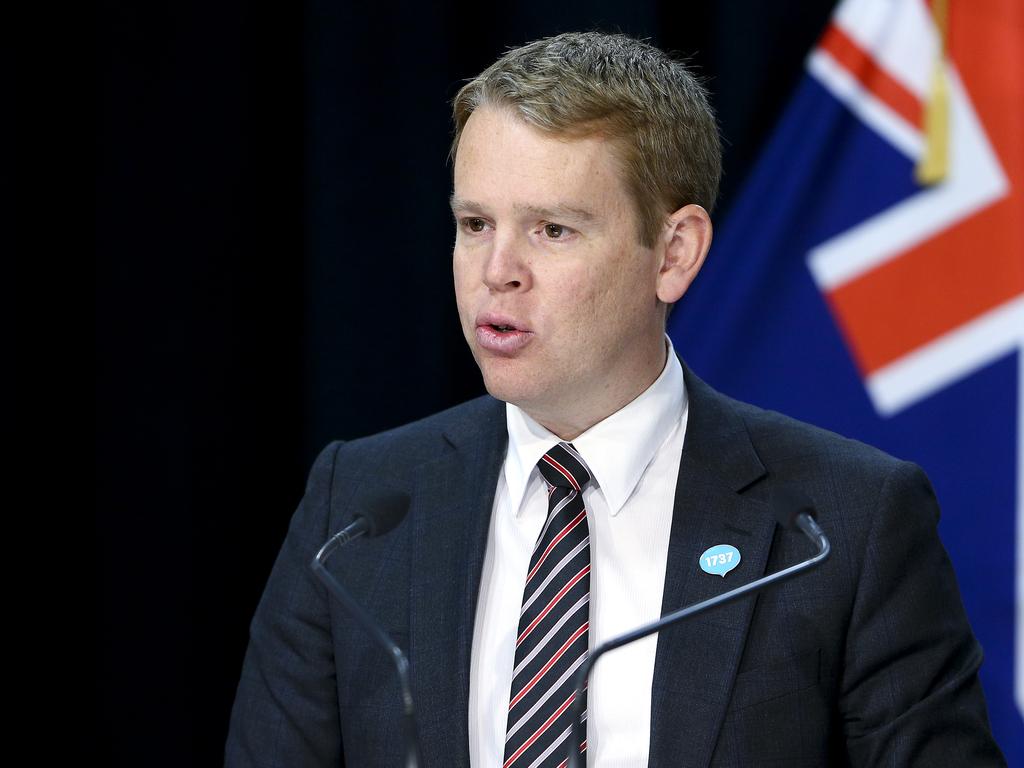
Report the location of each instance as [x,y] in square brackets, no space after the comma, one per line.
[572,421]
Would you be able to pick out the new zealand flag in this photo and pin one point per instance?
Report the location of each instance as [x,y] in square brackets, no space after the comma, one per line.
[869,278]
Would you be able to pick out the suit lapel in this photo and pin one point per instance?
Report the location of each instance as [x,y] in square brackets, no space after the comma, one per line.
[451,507]
[697,660]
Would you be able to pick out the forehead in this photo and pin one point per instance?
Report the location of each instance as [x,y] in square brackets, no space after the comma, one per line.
[503,159]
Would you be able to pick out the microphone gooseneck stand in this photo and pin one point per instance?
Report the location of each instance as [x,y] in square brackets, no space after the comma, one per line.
[386,511]
[800,515]
[382,515]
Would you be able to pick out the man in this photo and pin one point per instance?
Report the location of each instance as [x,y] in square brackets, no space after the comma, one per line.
[575,503]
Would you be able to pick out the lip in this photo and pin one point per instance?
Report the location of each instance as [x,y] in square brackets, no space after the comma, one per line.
[503,343]
[498,318]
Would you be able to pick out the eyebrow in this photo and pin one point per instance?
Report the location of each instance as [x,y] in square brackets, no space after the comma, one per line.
[556,212]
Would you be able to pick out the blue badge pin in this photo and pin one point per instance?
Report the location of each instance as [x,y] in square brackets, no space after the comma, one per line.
[719,559]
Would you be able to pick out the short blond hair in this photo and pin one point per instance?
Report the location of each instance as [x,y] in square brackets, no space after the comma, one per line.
[652,108]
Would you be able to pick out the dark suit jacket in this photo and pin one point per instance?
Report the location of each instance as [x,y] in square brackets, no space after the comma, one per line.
[867,661]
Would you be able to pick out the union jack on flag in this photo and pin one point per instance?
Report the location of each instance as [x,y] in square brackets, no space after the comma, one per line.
[869,278]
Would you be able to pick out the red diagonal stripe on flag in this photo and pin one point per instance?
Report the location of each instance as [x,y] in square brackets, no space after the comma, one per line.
[866,71]
[928,290]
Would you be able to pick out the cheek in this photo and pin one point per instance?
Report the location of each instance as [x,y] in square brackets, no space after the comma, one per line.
[580,301]
[466,311]
[613,305]
[463,278]
[634,285]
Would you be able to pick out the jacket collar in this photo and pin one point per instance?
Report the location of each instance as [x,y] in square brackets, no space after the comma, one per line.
[697,660]
[451,510]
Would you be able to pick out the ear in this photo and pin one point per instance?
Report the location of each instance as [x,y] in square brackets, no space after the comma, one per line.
[685,244]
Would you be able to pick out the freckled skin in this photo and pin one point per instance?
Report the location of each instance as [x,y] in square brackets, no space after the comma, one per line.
[587,290]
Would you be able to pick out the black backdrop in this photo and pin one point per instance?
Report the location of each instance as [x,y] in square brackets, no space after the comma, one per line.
[273,249]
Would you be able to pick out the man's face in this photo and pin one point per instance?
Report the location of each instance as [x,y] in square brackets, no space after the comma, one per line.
[556,295]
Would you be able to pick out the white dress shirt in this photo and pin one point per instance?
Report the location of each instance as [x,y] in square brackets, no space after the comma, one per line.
[633,457]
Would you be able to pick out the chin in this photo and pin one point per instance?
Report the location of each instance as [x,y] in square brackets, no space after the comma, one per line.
[517,388]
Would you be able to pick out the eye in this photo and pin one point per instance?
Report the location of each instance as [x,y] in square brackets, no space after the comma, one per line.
[475,225]
[554,231]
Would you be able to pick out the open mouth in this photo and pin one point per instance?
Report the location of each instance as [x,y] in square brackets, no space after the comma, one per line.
[495,334]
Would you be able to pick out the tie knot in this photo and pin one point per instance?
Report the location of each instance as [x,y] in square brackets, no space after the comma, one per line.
[563,466]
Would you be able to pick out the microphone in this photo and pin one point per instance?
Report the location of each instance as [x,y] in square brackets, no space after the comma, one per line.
[792,509]
[381,513]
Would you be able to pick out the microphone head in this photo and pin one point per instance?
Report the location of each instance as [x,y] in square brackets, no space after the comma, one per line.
[788,503]
[384,511]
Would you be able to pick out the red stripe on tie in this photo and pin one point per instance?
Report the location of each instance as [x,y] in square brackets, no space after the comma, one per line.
[561,535]
[562,470]
[540,731]
[558,654]
[583,748]
[554,601]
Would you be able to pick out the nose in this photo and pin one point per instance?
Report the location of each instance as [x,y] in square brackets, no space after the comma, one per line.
[506,268]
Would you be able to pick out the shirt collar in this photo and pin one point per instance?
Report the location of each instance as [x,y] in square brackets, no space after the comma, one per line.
[618,449]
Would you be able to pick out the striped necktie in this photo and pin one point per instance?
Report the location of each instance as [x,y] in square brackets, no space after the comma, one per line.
[555,621]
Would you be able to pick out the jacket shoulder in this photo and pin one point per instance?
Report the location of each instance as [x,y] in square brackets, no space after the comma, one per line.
[418,442]
[784,440]
[850,483]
